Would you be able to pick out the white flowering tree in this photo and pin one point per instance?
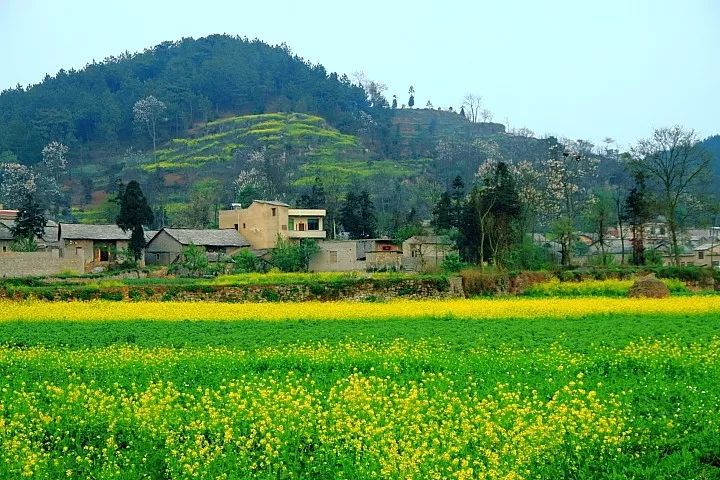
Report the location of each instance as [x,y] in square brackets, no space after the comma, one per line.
[16,183]
[569,169]
[147,113]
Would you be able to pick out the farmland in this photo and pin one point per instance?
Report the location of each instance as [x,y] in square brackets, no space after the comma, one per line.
[486,388]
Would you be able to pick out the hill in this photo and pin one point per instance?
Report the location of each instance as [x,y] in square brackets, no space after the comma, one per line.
[197,80]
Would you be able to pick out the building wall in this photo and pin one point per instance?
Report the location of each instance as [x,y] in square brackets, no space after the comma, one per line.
[19,264]
[384,260]
[257,223]
[710,257]
[421,256]
[162,250]
[336,256]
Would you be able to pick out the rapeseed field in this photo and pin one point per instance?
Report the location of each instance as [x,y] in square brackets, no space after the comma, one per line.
[487,389]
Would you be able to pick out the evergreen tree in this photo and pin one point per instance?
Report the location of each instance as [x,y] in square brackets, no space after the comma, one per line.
[367,215]
[134,213]
[394,102]
[462,111]
[316,197]
[457,195]
[411,100]
[443,213]
[637,212]
[30,221]
[357,215]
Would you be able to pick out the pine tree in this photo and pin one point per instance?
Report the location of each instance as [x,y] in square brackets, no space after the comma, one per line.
[357,215]
[394,102]
[134,213]
[411,100]
[30,221]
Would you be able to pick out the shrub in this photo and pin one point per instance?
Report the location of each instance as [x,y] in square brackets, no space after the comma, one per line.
[452,263]
[476,282]
[246,262]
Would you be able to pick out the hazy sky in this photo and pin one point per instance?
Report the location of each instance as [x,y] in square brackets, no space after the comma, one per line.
[580,69]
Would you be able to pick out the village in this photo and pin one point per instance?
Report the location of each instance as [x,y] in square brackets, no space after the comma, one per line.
[84,248]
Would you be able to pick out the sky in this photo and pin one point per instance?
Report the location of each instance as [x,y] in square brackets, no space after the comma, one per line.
[579,69]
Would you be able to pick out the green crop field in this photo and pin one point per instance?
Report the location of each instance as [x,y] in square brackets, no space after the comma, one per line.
[621,395]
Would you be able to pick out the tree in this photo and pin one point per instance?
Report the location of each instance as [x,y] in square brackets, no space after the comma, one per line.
[486,115]
[676,168]
[473,104]
[316,197]
[148,112]
[357,215]
[30,221]
[411,100]
[429,104]
[194,259]
[457,195]
[637,212]
[600,215]
[462,111]
[293,257]
[394,102]
[134,213]
[443,216]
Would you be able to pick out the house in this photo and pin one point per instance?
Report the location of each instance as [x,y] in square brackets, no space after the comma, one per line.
[357,255]
[262,221]
[708,255]
[337,256]
[423,252]
[166,245]
[96,244]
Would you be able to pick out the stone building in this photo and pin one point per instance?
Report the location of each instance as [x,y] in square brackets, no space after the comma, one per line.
[166,245]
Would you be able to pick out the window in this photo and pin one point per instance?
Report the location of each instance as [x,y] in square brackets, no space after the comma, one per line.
[157,255]
[243,225]
[386,248]
[274,211]
[291,224]
[283,227]
[701,255]
[313,224]
[4,248]
[301,227]
[236,226]
[333,256]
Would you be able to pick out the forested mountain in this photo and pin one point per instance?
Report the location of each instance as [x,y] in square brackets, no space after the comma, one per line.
[196,79]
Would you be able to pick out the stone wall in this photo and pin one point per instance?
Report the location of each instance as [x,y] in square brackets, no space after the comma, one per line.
[23,264]
[365,290]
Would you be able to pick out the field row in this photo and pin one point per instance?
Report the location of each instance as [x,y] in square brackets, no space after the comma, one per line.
[525,308]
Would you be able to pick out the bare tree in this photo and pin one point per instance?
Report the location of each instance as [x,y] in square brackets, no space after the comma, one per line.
[676,167]
[472,104]
[486,115]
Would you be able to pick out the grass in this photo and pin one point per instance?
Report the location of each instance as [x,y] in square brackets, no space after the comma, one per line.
[613,388]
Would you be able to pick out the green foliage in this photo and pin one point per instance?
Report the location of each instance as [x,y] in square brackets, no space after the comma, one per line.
[357,215]
[194,260]
[594,288]
[134,213]
[30,221]
[24,244]
[293,257]
[245,261]
[452,263]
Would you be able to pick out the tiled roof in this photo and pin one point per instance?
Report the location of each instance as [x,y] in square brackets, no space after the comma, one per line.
[210,238]
[78,231]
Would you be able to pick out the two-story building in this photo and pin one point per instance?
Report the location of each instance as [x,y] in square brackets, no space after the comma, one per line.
[262,221]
